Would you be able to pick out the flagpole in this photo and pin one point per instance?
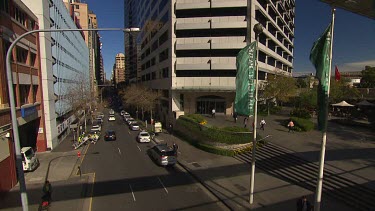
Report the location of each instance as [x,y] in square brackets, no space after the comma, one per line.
[318,194]
[257,29]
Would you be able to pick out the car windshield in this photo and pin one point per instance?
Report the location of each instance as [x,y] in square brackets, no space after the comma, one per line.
[135,124]
[110,133]
[144,134]
[29,154]
[95,126]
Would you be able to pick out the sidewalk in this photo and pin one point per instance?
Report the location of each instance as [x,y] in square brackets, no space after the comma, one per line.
[59,166]
[229,178]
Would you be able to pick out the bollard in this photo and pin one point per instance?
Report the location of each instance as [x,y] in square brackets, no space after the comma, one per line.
[79,154]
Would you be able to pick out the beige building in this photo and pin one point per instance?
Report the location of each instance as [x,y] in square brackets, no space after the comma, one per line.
[119,68]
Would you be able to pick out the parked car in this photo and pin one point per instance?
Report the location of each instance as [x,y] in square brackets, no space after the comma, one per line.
[111,112]
[130,120]
[100,115]
[96,128]
[111,117]
[144,136]
[98,120]
[110,135]
[122,113]
[163,155]
[134,126]
[29,160]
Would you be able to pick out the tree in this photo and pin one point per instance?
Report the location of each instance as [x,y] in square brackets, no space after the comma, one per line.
[140,97]
[301,83]
[339,91]
[307,99]
[280,87]
[368,77]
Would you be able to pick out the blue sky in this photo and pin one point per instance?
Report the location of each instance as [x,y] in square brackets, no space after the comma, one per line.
[354,35]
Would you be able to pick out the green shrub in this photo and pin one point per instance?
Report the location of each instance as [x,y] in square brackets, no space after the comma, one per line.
[235,129]
[196,117]
[301,113]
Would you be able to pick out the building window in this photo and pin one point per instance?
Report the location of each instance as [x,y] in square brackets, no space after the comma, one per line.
[165,72]
[21,55]
[4,6]
[24,94]
[32,59]
[163,38]
[77,6]
[163,55]
[35,92]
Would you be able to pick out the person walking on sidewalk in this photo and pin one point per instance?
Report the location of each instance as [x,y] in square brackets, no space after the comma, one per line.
[303,204]
[175,148]
[291,126]
[213,112]
[235,117]
[245,121]
[262,124]
[47,191]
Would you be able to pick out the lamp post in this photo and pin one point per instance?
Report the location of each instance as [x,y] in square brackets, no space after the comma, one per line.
[258,28]
[17,148]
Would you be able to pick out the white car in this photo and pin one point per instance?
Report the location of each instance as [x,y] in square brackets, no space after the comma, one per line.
[96,128]
[134,126]
[111,112]
[122,113]
[144,136]
[130,120]
[111,118]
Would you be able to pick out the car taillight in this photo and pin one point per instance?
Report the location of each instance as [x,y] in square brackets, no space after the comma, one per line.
[163,157]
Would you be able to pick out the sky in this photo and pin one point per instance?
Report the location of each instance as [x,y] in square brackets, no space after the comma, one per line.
[353,42]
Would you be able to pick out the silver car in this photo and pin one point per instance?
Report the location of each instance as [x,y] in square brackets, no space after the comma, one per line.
[134,126]
[163,155]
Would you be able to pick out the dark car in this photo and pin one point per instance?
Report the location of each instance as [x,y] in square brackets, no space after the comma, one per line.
[110,135]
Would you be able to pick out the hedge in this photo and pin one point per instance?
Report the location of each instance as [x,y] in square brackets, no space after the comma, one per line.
[228,135]
[301,113]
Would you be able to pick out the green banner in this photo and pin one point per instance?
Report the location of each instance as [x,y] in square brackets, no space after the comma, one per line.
[245,80]
[320,58]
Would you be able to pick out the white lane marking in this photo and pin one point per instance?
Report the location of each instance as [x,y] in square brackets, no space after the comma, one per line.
[139,148]
[163,185]
[129,132]
[132,192]
[119,151]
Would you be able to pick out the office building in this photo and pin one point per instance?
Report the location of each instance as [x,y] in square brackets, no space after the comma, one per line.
[188,48]
[119,68]
[64,60]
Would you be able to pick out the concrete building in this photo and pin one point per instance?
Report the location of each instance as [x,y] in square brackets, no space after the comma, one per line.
[188,48]
[15,20]
[64,64]
[119,68]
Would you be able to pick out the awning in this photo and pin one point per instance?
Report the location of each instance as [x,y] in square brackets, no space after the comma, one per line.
[342,104]
[364,8]
[365,103]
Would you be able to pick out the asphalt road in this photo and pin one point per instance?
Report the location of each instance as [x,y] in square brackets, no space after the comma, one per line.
[127,179]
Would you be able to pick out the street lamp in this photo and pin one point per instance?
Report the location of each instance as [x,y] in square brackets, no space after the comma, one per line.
[258,28]
[21,176]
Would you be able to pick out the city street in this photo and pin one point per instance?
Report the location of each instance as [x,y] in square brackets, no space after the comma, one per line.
[127,179]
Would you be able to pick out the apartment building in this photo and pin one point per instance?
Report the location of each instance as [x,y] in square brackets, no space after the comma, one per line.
[64,64]
[188,48]
[15,20]
[119,68]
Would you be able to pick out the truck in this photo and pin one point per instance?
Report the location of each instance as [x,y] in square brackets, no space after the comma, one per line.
[157,127]
[29,160]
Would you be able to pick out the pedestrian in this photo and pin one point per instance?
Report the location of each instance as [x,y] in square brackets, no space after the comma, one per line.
[245,122]
[47,191]
[213,113]
[291,126]
[303,204]
[175,148]
[262,124]
[170,128]
[235,117]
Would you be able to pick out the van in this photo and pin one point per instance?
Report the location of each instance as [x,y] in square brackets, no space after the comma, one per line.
[157,127]
[29,160]
[163,155]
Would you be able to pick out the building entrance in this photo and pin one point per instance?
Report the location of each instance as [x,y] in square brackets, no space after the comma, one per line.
[205,104]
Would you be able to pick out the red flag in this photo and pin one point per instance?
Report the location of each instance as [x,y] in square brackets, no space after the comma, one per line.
[337,74]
